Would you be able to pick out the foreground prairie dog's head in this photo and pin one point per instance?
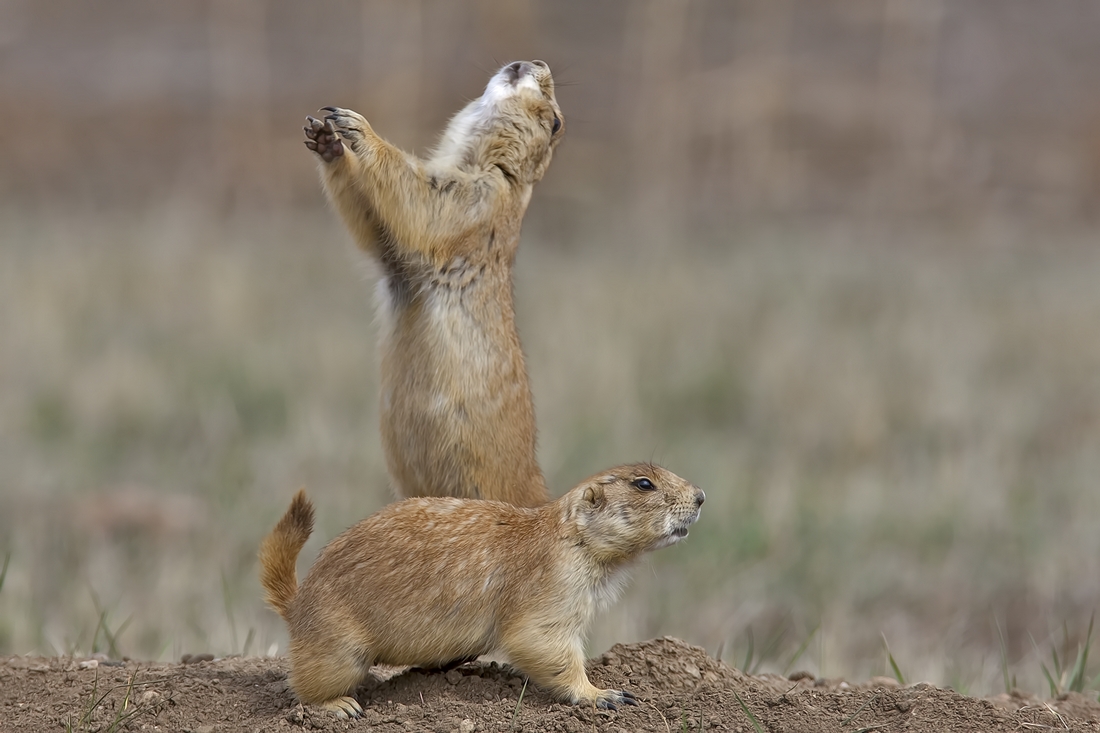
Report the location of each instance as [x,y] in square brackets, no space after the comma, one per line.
[627,510]
[515,124]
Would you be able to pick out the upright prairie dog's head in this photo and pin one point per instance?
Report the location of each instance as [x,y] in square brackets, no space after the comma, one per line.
[625,511]
[514,125]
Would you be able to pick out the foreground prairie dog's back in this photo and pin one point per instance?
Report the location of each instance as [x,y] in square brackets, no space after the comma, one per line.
[434,581]
[457,413]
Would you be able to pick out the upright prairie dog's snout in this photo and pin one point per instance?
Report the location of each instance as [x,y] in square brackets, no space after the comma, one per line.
[518,69]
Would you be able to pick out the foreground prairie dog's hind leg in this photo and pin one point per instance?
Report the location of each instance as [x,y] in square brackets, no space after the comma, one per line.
[326,675]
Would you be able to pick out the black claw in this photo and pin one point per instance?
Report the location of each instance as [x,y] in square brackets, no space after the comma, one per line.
[629,698]
[606,705]
[329,109]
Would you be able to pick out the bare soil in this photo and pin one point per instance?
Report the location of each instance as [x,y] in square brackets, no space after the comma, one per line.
[681,688]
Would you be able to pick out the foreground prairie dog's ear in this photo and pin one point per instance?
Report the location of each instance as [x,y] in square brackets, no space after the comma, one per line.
[593,494]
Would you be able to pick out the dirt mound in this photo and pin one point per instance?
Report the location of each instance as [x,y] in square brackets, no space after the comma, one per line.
[681,688]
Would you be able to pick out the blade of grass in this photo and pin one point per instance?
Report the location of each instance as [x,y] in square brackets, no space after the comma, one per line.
[1042,666]
[227,600]
[769,648]
[519,702]
[801,649]
[752,718]
[859,710]
[1004,655]
[4,570]
[893,663]
[1076,682]
[746,666]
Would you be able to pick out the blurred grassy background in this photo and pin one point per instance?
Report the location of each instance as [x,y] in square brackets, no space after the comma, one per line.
[835,262]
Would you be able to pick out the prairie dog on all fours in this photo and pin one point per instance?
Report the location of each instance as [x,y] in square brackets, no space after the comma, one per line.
[457,414]
[428,582]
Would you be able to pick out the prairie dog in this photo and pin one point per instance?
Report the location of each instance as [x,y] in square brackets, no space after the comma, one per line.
[457,414]
[429,581]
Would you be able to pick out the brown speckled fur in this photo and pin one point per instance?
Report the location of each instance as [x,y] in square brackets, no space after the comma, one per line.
[457,414]
[429,581]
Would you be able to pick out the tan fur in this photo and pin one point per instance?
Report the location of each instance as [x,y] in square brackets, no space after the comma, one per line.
[457,414]
[429,581]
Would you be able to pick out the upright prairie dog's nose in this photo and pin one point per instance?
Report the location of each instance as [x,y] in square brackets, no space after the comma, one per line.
[517,69]
[700,497]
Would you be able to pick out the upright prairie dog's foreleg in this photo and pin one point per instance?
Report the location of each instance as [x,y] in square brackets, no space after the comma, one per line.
[341,178]
[423,213]
[557,665]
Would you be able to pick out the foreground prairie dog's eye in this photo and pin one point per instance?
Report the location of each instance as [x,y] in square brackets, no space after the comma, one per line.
[644,484]
[555,126]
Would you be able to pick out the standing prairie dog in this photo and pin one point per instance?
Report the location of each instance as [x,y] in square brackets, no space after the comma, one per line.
[426,582]
[457,414]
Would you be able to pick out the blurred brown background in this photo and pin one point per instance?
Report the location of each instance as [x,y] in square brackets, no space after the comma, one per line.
[706,112]
[836,262]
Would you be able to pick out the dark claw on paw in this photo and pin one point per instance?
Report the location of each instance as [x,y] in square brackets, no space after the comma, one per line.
[629,698]
[329,109]
[606,705]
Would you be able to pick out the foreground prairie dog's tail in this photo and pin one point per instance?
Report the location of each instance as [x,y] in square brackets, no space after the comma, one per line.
[279,553]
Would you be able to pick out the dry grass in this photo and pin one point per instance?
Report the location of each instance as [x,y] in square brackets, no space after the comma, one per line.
[897,433]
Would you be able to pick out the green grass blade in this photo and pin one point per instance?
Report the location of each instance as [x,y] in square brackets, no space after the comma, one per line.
[893,663]
[752,718]
[801,649]
[1004,655]
[860,709]
[4,570]
[1076,682]
[519,702]
[227,599]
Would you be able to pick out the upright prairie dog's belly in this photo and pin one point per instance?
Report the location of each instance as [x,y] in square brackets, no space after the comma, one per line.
[455,402]
[439,359]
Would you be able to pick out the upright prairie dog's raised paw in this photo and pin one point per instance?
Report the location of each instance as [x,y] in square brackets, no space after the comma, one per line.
[426,582]
[456,408]
[322,138]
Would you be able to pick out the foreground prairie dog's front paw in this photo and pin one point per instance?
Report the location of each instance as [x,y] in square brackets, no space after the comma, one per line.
[612,699]
[344,707]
